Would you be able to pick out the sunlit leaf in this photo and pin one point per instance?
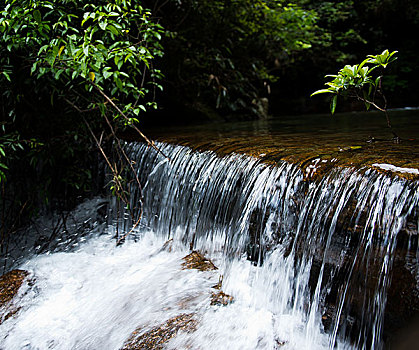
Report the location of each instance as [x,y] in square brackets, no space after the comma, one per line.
[322,91]
[60,50]
[333,104]
[6,75]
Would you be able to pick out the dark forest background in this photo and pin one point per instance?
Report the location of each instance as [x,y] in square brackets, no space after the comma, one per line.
[222,56]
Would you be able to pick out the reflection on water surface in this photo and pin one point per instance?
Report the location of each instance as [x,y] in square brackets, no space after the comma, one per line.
[305,139]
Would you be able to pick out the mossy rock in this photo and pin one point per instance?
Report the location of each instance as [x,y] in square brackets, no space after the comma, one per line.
[156,338]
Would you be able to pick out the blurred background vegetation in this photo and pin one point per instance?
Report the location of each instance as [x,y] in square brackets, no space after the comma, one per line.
[222,57]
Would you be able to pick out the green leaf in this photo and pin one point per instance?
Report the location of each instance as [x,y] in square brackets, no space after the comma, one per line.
[118,83]
[333,104]
[106,73]
[43,48]
[6,75]
[120,63]
[60,50]
[322,91]
[112,29]
[366,97]
[37,16]
[58,73]
[2,176]
[92,76]
[363,63]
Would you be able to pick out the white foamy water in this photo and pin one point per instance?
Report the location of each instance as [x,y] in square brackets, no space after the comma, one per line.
[293,255]
[93,298]
[394,168]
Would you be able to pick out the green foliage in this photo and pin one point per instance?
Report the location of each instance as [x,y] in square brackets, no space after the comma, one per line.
[338,29]
[61,59]
[69,69]
[10,145]
[360,81]
[3,165]
[79,46]
[224,53]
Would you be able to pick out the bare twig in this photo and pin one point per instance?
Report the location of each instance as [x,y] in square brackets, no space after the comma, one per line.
[114,170]
[155,11]
[120,240]
[120,149]
[146,139]
[382,109]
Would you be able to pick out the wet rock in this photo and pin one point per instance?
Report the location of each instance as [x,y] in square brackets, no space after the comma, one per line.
[279,343]
[10,284]
[402,309]
[219,284]
[167,246]
[221,298]
[315,168]
[196,260]
[157,337]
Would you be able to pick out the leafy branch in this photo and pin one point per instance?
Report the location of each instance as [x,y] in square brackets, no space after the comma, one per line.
[95,56]
[361,81]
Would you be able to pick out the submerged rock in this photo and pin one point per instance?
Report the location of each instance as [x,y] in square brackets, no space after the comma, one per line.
[196,260]
[157,337]
[10,284]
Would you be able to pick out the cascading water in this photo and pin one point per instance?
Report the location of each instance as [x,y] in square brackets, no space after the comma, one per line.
[308,262]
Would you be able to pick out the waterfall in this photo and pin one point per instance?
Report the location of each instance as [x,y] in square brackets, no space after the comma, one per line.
[308,261]
[327,230]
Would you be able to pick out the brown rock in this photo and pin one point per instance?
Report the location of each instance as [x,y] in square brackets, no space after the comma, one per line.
[220,283]
[197,261]
[9,287]
[221,298]
[156,338]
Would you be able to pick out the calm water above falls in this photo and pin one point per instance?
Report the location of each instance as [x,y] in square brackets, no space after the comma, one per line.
[309,263]
[302,139]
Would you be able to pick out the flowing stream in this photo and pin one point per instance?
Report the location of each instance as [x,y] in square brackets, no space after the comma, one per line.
[308,263]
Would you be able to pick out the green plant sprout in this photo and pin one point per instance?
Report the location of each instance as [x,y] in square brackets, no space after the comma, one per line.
[363,82]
